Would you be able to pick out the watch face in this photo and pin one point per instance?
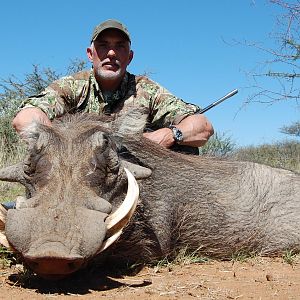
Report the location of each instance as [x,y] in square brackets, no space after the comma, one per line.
[177,134]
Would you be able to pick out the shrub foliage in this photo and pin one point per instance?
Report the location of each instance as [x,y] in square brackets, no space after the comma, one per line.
[285,154]
[14,90]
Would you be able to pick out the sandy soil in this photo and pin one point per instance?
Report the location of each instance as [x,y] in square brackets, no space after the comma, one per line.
[259,278]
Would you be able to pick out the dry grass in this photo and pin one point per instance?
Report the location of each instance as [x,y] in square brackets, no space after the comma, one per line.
[280,155]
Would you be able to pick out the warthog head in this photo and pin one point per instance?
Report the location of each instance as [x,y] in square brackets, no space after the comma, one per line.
[76,187]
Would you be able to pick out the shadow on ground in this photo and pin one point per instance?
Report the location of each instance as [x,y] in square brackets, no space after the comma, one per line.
[81,282]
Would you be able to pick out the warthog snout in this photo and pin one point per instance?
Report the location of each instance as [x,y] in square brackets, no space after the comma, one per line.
[48,266]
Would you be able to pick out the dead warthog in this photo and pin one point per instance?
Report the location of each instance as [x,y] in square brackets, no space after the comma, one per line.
[78,172]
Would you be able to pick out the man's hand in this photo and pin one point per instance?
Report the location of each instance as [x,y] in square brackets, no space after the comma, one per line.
[28,115]
[196,130]
[162,136]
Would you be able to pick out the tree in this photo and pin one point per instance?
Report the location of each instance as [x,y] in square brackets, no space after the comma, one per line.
[293,129]
[13,91]
[283,66]
[218,145]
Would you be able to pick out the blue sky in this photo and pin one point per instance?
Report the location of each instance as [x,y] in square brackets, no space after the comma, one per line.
[186,46]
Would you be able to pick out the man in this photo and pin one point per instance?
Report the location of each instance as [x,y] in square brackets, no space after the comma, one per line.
[108,88]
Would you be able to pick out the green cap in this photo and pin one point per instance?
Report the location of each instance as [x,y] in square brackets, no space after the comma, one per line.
[110,24]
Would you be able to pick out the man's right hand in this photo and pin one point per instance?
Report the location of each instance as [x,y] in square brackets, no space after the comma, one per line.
[28,115]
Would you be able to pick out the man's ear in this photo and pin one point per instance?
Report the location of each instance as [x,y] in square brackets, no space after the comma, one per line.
[89,53]
[131,54]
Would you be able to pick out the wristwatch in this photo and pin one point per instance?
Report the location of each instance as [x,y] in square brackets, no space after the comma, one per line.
[177,134]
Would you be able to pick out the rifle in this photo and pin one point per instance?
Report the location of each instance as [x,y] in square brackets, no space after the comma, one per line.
[230,94]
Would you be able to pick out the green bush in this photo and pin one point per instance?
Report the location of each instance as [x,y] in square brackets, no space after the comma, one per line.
[284,154]
[13,91]
[218,145]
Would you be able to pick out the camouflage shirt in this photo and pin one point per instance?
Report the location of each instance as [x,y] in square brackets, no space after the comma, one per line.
[81,93]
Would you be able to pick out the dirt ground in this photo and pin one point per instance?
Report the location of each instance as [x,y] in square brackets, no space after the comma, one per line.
[258,278]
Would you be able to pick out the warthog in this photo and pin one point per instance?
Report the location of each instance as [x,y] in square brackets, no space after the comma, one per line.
[76,179]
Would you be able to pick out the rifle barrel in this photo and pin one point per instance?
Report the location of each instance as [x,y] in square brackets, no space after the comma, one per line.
[230,94]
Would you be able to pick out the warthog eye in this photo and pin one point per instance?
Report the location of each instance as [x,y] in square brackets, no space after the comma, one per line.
[99,141]
[93,164]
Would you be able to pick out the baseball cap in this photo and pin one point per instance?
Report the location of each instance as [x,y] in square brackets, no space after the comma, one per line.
[109,24]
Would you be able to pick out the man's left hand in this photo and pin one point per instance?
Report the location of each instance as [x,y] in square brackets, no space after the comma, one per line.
[162,136]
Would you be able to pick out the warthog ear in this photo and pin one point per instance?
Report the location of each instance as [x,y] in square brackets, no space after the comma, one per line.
[36,134]
[30,133]
[131,123]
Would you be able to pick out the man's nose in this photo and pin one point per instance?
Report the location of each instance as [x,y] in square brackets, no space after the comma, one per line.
[111,53]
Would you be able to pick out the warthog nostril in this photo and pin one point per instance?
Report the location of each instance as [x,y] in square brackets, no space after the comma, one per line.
[74,265]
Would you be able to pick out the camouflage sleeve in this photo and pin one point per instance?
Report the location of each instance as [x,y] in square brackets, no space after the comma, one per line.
[58,98]
[165,108]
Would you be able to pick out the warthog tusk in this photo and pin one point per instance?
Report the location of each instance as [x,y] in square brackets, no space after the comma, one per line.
[120,218]
[3,239]
[106,243]
[3,214]
[4,242]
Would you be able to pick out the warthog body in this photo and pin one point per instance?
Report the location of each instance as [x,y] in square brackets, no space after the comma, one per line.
[75,175]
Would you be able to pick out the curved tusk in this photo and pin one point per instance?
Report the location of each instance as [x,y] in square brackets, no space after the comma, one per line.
[3,240]
[106,243]
[3,214]
[121,217]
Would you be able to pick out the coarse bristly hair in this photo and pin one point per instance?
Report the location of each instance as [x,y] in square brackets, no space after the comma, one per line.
[214,206]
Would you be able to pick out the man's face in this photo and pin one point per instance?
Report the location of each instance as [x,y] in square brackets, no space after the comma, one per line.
[110,55]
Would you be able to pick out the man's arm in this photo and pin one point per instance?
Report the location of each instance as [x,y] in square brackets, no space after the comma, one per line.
[27,115]
[59,97]
[196,130]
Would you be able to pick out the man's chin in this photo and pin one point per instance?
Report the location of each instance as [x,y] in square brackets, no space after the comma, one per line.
[109,75]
